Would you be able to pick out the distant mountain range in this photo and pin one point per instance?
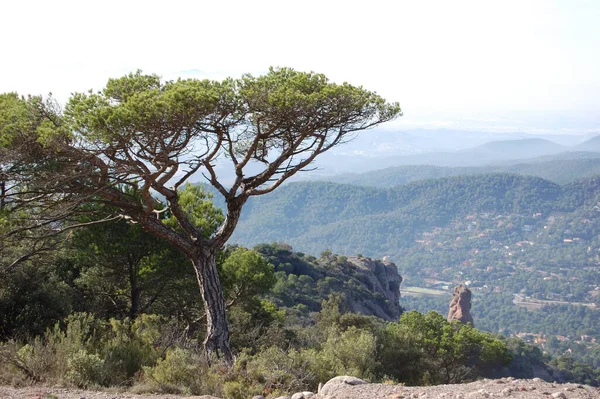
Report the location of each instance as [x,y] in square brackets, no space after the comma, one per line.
[347,159]
[380,149]
[560,168]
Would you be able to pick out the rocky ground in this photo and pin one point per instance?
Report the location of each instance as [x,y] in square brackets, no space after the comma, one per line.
[349,387]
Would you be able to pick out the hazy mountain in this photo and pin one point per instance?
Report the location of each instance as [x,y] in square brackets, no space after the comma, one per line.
[378,149]
[592,144]
[556,170]
[515,149]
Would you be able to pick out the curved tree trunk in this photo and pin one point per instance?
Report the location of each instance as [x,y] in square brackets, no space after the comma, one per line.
[216,341]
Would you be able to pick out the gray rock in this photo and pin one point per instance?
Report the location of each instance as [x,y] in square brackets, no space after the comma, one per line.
[258,397]
[334,383]
[379,277]
[559,395]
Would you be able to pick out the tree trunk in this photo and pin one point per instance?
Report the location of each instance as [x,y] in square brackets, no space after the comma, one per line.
[216,341]
[134,292]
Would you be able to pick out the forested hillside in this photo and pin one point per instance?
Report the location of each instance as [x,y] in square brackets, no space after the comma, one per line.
[317,216]
[523,244]
[503,231]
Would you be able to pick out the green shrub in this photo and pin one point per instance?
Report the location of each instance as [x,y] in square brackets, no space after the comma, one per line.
[85,369]
[11,372]
[281,371]
[241,389]
[353,352]
[46,359]
[179,372]
[130,346]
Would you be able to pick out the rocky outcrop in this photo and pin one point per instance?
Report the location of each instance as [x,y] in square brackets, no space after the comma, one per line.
[382,282]
[460,305]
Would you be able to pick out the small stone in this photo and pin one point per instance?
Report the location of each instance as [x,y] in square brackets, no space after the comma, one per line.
[258,397]
[559,395]
[298,395]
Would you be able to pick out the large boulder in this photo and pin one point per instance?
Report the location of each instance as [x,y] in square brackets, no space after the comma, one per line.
[460,305]
[336,383]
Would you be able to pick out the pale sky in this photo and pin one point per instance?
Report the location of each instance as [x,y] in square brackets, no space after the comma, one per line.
[491,65]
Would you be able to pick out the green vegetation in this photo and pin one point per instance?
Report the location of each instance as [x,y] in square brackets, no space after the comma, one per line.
[117,149]
[290,329]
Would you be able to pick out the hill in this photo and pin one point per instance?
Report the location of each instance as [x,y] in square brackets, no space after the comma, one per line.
[485,154]
[592,144]
[559,169]
[351,219]
[516,149]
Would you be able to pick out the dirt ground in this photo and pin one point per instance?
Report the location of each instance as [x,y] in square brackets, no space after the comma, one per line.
[501,388]
[505,387]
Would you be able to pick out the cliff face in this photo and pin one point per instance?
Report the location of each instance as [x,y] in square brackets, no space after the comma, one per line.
[460,305]
[380,291]
[367,286]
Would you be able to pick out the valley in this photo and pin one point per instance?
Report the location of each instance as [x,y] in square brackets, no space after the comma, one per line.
[528,247]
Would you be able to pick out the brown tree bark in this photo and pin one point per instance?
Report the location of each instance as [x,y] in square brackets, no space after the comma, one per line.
[216,340]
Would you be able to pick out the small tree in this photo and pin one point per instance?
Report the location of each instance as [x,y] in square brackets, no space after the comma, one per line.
[140,137]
